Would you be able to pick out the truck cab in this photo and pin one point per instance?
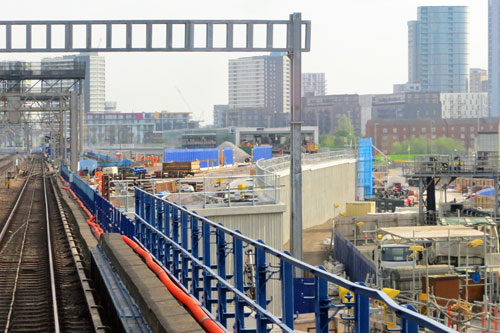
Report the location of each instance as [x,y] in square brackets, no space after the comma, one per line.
[395,255]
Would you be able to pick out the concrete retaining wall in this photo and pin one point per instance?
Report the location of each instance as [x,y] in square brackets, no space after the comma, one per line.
[323,186]
[264,223]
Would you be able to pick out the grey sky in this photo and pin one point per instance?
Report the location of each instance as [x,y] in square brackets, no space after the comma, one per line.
[360,44]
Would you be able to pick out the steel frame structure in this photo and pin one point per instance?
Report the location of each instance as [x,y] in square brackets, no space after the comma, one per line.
[298,40]
[430,170]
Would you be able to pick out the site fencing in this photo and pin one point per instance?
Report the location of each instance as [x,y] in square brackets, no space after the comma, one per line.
[215,191]
[208,260]
[357,266]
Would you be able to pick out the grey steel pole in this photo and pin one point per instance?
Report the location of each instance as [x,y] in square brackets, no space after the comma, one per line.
[296,144]
[74,133]
[61,133]
[81,116]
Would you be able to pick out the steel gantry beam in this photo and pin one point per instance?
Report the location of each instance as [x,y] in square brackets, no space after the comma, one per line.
[163,36]
[78,35]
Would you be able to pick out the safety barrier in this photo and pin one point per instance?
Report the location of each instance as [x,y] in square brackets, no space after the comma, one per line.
[84,192]
[111,219]
[65,172]
[208,259]
[357,266]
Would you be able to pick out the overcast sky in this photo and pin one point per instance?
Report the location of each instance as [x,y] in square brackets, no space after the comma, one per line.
[361,45]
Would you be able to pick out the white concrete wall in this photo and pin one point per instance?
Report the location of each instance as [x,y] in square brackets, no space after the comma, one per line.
[323,186]
[257,222]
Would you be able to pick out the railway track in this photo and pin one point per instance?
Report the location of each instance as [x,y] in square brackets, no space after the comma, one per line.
[42,283]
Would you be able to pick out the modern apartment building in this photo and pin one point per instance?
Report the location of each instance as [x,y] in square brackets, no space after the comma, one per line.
[95,78]
[438,49]
[494,57]
[478,80]
[313,84]
[260,82]
[464,105]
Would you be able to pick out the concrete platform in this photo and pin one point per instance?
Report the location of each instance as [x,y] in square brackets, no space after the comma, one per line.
[161,310]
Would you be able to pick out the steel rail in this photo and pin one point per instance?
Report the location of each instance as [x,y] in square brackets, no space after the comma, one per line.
[51,261]
[19,263]
[77,260]
[14,209]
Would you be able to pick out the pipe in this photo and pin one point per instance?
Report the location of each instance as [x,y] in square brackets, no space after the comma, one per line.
[90,221]
[199,314]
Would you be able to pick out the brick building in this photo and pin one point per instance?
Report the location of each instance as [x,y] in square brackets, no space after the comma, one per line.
[386,132]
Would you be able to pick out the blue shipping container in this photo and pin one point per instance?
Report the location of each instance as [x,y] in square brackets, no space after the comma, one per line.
[207,157]
[229,155]
[262,152]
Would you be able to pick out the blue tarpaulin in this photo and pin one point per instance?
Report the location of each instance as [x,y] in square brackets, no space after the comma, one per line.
[487,192]
[89,165]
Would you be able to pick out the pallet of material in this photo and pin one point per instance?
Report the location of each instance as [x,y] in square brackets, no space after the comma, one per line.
[192,166]
[170,186]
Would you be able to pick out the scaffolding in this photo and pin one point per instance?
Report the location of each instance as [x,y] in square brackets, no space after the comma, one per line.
[448,260]
[431,170]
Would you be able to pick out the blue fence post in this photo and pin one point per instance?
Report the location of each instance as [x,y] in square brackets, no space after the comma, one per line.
[238,283]
[321,304]
[361,313]
[175,238]
[406,325]
[195,251]
[287,301]
[207,280]
[185,246]
[167,211]
[260,285]
[221,271]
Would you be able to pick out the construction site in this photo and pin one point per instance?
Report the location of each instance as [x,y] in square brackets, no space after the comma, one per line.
[242,238]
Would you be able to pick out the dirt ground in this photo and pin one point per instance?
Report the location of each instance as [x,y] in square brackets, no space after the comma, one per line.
[8,196]
[316,243]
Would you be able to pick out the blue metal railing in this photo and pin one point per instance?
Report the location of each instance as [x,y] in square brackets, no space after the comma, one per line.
[65,172]
[208,260]
[176,236]
[83,191]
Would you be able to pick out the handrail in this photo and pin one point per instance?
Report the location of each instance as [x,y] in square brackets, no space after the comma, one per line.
[283,162]
[356,288]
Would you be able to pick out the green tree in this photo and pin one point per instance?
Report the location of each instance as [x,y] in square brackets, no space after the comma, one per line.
[327,140]
[446,145]
[345,128]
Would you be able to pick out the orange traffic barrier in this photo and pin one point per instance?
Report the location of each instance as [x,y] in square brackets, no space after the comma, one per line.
[199,314]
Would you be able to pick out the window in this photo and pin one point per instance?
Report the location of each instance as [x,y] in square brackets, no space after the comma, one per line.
[394,130]
[396,254]
[384,130]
